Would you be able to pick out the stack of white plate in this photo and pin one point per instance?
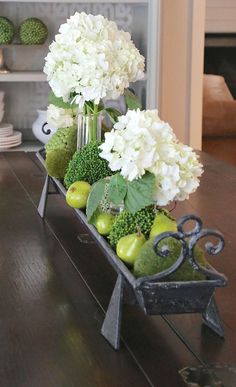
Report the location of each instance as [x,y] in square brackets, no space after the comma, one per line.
[9,137]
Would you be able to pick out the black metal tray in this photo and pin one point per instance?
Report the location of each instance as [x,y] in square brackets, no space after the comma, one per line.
[155,295]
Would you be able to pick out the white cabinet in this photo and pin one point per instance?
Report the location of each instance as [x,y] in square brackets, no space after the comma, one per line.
[25,87]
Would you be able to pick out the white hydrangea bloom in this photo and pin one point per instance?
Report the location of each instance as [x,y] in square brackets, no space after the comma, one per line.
[93,59]
[141,142]
[60,118]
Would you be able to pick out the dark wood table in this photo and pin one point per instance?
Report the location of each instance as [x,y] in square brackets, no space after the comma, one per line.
[54,290]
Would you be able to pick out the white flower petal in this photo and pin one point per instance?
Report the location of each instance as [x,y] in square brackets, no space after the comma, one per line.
[92,58]
[141,142]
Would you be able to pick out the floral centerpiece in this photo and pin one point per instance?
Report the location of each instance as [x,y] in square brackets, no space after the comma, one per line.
[139,168]
[152,166]
[92,60]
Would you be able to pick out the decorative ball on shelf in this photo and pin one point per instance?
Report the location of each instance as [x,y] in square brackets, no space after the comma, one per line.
[33,31]
[7,30]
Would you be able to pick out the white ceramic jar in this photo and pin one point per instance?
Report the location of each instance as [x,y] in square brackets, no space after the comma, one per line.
[41,129]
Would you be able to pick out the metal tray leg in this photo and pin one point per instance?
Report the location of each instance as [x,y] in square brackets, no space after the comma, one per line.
[212,319]
[112,323]
[43,199]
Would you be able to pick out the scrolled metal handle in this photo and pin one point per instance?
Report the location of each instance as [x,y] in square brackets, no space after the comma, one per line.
[188,240]
[165,252]
[185,219]
[211,248]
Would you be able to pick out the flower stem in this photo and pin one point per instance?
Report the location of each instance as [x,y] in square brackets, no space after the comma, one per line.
[94,123]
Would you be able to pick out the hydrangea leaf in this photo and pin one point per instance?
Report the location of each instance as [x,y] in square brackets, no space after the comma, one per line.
[95,197]
[94,216]
[117,189]
[113,114]
[58,101]
[140,193]
[132,100]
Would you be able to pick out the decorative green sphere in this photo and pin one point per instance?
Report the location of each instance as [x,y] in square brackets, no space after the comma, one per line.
[33,31]
[7,30]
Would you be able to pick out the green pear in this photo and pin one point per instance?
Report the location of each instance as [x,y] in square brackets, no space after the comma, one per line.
[77,194]
[104,223]
[162,223]
[128,247]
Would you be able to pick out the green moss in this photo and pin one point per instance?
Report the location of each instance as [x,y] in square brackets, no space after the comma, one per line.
[7,30]
[149,263]
[87,165]
[127,223]
[33,31]
[59,151]
[57,161]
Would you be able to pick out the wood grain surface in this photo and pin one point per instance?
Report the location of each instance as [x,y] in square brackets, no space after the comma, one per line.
[54,291]
[222,148]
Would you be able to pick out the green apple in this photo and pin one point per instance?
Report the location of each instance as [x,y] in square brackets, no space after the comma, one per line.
[104,223]
[77,194]
[128,247]
[162,223]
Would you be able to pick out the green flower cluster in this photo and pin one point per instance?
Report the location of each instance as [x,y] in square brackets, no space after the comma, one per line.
[127,223]
[59,151]
[105,202]
[149,263]
[87,165]
[7,30]
[33,31]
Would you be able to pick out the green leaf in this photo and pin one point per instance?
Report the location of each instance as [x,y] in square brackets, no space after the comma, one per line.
[100,106]
[94,216]
[113,114]
[132,100]
[95,198]
[117,189]
[140,193]
[58,101]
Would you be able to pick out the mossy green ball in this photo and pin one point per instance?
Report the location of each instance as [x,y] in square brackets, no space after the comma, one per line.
[59,151]
[64,138]
[57,161]
[33,31]
[7,30]
[149,263]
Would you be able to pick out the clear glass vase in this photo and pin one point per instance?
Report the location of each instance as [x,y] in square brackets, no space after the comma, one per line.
[89,129]
[116,209]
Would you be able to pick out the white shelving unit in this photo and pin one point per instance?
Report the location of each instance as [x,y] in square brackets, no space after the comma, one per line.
[23,76]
